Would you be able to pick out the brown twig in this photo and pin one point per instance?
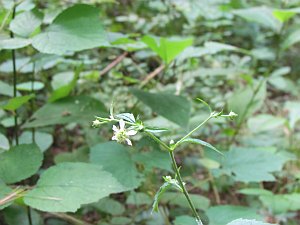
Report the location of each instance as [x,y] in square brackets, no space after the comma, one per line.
[113,64]
[152,75]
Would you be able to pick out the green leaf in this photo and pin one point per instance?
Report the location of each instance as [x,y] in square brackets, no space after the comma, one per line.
[172,107]
[247,222]
[110,206]
[291,39]
[116,159]
[138,198]
[79,109]
[78,155]
[64,90]
[260,15]
[76,28]
[279,204]
[265,122]
[17,102]
[14,168]
[200,142]
[162,189]
[6,89]
[293,109]
[14,43]
[66,186]
[153,159]
[255,191]
[167,48]
[283,15]
[185,220]
[252,164]
[42,139]
[29,86]
[227,213]
[25,23]
[213,47]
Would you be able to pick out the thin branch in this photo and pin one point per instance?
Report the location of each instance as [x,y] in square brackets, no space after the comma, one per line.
[152,75]
[113,64]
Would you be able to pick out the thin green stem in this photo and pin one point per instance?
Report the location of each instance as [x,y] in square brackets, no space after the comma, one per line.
[15,80]
[178,175]
[186,194]
[192,131]
[29,215]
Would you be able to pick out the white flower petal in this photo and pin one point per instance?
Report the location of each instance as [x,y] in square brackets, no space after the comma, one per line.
[128,142]
[115,128]
[122,124]
[114,138]
[131,132]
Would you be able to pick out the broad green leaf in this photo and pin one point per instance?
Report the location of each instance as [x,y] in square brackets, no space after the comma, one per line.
[213,47]
[14,43]
[172,107]
[209,163]
[167,48]
[185,220]
[264,122]
[76,28]
[29,86]
[291,39]
[66,186]
[17,102]
[20,162]
[247,222]
[138,198]
[42,139]
[6,89]
[261,15]
[121,220]
[172,198]
[18,215]
[24,24]
[252,164]
[200,142]
[4,143]
[79,109]
[153,159]
[116,159]
[279,204]
[110,206]
[227,213]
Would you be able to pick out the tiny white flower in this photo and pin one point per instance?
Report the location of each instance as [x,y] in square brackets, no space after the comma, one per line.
[232,114]
[121,134]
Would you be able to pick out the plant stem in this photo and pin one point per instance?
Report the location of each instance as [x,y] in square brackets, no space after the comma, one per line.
[178,175]
[192,131]
[186,194]
[14,79]
[29,215]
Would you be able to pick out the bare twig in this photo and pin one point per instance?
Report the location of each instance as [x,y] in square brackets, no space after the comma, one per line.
[113,64]
[152,75]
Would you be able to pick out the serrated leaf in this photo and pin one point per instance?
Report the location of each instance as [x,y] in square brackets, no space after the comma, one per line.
[14,168]
[79,109]
[116,159]
[66,186]
[172,107]
[159,194]
[76,28]
[200,142]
